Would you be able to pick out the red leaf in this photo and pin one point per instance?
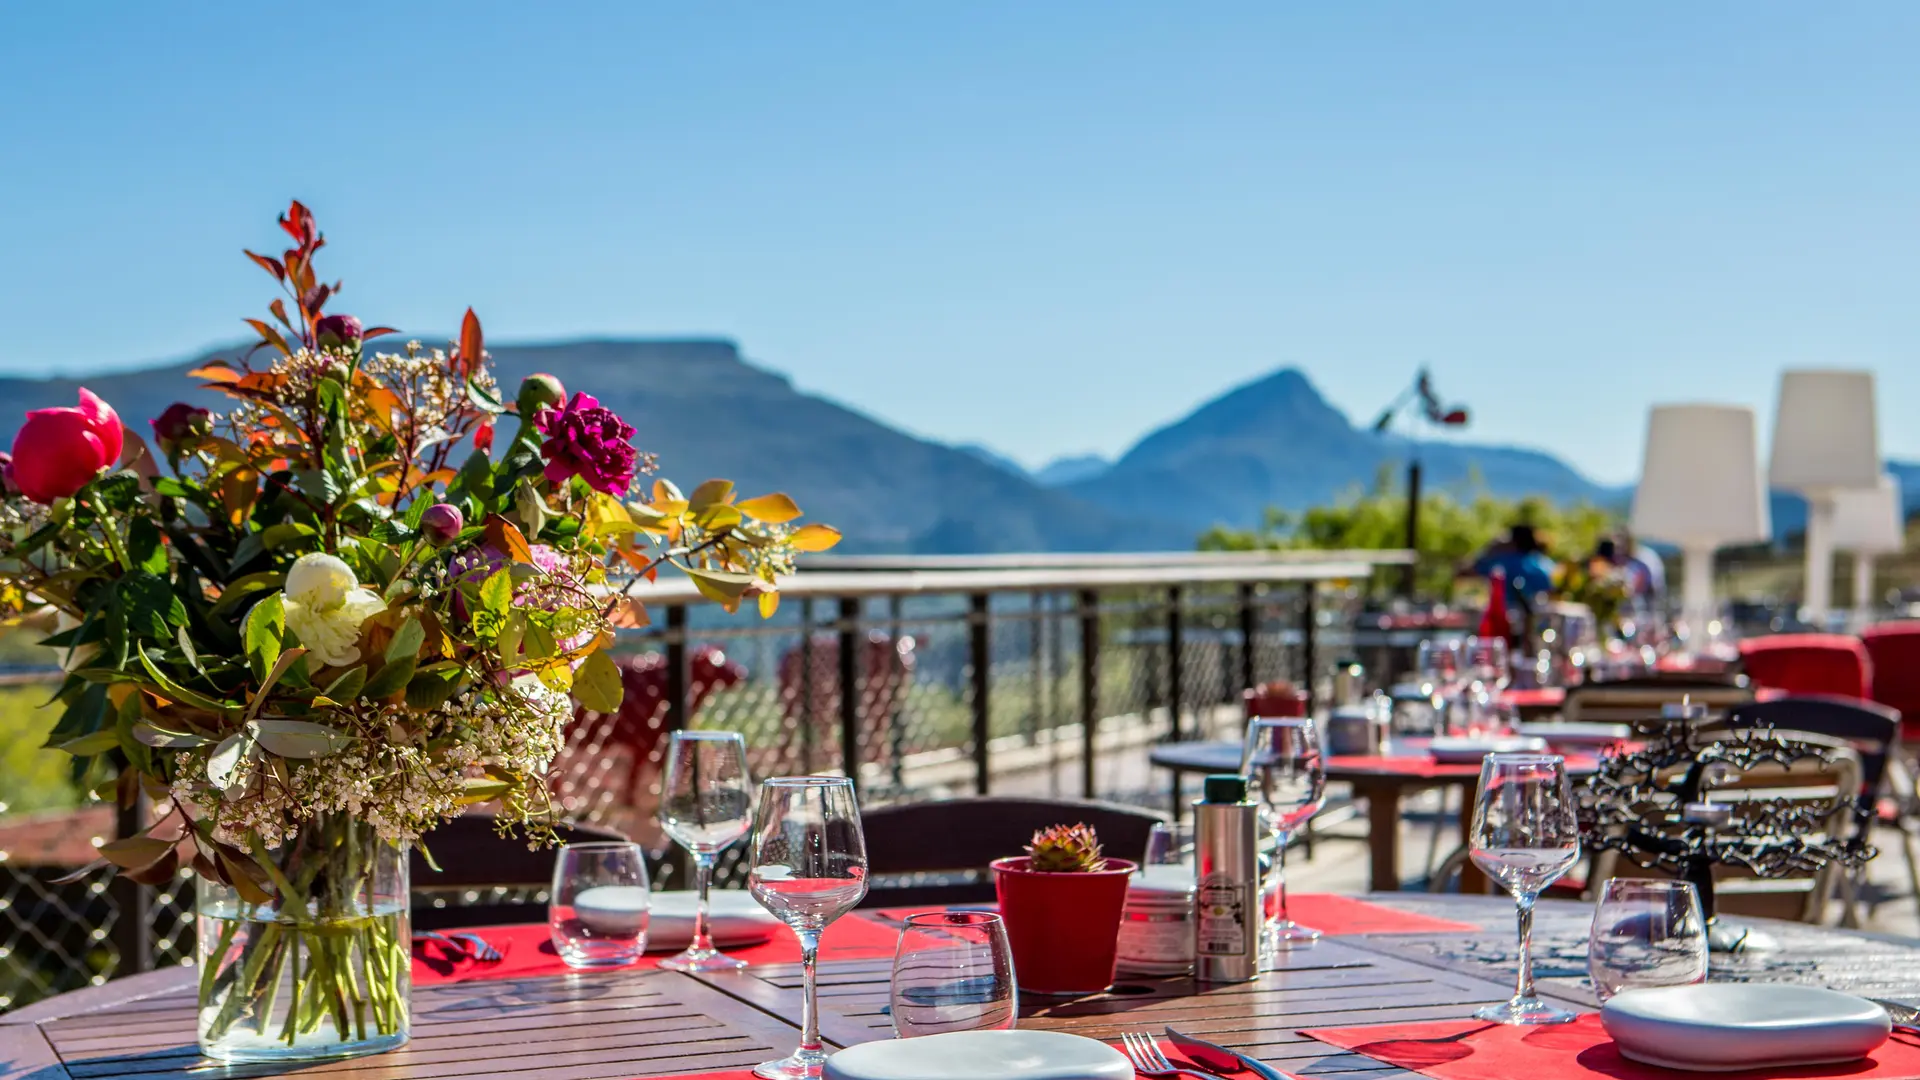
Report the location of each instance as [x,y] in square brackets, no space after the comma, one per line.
[270,265]
[378,331]
[507,539]
[279,309]
[483,438]
[470,344]
[269,335]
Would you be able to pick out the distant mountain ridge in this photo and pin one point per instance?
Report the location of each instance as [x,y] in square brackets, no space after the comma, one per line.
[708,412]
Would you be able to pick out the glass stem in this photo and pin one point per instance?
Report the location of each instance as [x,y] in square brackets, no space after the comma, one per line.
[1280,871]
[703,879]
[809,1005]
[1523,984]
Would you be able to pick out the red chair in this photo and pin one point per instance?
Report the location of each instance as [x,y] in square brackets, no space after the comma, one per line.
[1895,650]
[1800,664]
[883,673]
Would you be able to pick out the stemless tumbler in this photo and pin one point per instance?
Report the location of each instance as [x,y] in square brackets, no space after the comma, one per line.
[1646,933]
[953,971]
[598,912]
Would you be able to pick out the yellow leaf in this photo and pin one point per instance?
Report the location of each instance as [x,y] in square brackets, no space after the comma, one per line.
[508,539]
[665,492]
[769,603]
[774,509]
[597,683]
[606,516]
[814,537]
[711,493]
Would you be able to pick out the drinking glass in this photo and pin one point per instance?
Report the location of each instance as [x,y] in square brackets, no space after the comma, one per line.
[1284,770]
[1168,845]
[1440,666]
[598,912]
[1646,933]
[953,971]
[1488,670]
[809,868]
[1524,837]
[706,803]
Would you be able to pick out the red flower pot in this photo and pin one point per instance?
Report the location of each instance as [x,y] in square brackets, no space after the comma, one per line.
[1064,929]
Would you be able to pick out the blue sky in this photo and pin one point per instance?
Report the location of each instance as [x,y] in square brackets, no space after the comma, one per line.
[1048,227]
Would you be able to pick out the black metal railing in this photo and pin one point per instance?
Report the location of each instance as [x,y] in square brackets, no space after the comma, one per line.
[1043,674]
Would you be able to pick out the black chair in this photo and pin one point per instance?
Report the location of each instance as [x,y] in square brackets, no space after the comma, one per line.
[937,852]
[485,878]
[1873,730]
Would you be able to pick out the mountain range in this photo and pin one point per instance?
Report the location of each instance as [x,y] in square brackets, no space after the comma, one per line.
[707,412]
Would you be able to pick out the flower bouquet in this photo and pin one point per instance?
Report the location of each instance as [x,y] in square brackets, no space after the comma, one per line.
[342,612]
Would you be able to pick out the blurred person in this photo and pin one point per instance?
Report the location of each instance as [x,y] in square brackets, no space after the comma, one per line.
[1528,568]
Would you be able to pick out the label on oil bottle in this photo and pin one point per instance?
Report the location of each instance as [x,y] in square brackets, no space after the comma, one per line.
[1223,909]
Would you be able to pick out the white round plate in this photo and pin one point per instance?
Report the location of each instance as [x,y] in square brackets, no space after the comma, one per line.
[982,1055]
[734,918]
[1723,1027]
[1576,733]
[1468,750]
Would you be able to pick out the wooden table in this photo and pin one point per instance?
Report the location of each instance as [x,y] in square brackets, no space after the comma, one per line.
[616,1025]
[1383,780]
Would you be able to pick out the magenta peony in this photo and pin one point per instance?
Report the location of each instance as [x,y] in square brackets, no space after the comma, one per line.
[335,331]
[441,524]
[58,450]
[587,440]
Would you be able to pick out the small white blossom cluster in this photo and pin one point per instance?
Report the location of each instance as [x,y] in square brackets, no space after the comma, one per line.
[404,771]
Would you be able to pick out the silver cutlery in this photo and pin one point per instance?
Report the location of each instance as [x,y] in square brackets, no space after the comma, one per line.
[1220,1059]
[1149,1061]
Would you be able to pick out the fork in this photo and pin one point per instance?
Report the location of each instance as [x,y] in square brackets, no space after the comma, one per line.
[482,952]
[1147,1059]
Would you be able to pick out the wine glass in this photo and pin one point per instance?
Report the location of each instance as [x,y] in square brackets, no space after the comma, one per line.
[599,911]
[1488,669]
[953,971]
[1282,763]
[706,803]
[1524,836]
[809,868]
[1646,933]
[1439,664]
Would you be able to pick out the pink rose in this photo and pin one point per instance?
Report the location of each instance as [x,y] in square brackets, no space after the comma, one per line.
[59,450]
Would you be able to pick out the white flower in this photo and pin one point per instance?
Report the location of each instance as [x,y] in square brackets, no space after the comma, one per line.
[325,605]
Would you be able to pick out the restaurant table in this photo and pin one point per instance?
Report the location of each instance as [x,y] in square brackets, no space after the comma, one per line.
[1383,780]
[619,1025]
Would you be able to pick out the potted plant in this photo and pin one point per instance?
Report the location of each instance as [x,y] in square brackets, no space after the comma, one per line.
[1062,903]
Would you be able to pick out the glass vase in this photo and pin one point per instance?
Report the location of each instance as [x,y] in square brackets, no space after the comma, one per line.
[324,968]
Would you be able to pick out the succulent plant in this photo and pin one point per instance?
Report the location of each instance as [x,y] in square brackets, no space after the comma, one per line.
[1065,849]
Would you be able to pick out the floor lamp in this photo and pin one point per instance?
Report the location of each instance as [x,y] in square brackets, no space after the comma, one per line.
[1826,439]
[1700,490]
[1868,522]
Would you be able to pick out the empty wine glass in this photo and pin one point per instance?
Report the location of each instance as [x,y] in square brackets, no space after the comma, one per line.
[600,903]
[1282,763]
[1524,836]
[1441,670]
[809,868]
[1488,670]
[953,971]
[1646,933]
[706,803]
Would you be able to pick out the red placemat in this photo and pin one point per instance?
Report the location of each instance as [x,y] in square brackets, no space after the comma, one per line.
[1333,915]
[527,950]
[1541,697]
[1562,1052]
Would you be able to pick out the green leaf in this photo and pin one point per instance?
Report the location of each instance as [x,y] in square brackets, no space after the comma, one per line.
[479,789]
[287,532]
[175,692]
[723,587]
[263,631]
[538,641]
[280,666]
[390,679]
[149,604]
[496,593]
[299,738]
[348,685]
[187,649]
[407,640]
[431,689]
[508,645]
[597,685]
[225,759]
[241,588]
[144,546]
[84,715]
[163,739]
[98,742]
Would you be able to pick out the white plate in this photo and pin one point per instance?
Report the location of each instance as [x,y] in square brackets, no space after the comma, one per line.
[982,1055]
[1722,1027]
[735,919]
[1577,733]
[1466,750]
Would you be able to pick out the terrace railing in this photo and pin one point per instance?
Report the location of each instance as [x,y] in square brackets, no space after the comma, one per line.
[921,677]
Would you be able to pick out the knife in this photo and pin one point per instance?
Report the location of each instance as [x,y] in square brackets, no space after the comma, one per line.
[1220,1059]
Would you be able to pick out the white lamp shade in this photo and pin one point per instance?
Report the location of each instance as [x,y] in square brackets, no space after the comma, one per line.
[1826,433]
[1868,521]
[1700,479]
